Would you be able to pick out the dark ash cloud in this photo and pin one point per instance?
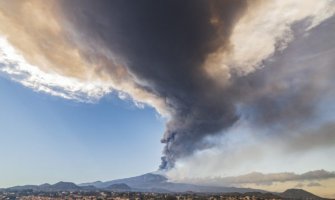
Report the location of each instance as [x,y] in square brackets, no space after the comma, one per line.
[165,45]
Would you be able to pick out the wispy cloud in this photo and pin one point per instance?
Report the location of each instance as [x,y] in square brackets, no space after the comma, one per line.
[268,179]
[299,185]
[314,184]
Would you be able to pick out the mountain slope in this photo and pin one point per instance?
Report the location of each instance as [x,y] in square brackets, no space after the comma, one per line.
[145,180]
[156,182]
[121,187]
[299,194]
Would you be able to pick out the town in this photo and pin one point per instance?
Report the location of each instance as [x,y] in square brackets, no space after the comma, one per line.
[37,195]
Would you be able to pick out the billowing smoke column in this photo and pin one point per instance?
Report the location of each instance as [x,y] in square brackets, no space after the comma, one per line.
[202,63]
[166,44]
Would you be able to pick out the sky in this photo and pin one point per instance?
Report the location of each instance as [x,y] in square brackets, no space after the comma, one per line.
[48,139]
[195,89]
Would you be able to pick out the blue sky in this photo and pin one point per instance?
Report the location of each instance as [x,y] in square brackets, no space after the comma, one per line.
[48,139]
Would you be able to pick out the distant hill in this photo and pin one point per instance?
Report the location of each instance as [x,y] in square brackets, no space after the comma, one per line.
[64,186]
[23,187]
[120,187]
[299,194]
[60,186]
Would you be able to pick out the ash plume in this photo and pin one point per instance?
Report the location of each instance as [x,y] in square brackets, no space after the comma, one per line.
[165,44]
[172,48]
[205,65]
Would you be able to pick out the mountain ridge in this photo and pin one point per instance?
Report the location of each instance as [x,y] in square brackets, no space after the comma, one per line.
[151,181]
[156,183]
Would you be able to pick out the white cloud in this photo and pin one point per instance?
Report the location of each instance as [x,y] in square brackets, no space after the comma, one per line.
[17,68]
[265,28]
[268,179]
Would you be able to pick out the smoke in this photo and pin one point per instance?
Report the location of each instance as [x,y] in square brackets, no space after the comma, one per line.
[165,45]
[205,65]
[286,114]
